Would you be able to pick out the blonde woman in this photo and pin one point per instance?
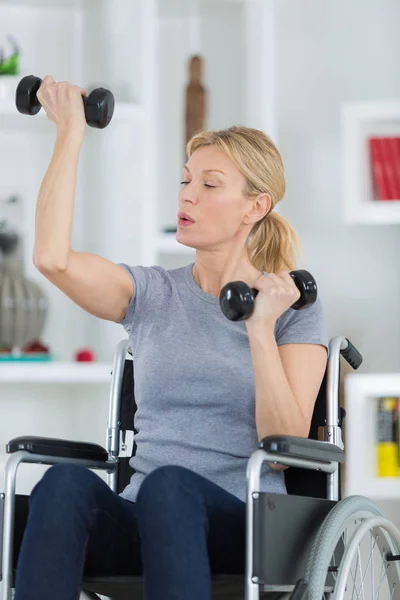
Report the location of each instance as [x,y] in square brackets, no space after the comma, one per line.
[207,389]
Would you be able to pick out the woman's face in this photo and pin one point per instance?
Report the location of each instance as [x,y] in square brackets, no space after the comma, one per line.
[212,195]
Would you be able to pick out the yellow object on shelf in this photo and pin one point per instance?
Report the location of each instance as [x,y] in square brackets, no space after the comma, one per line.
[387,437]
[388,461]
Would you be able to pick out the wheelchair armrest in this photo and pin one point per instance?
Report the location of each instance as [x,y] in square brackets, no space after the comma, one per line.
[289,445]
[56,447]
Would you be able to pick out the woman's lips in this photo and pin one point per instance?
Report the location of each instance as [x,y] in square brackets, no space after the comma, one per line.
[184,222]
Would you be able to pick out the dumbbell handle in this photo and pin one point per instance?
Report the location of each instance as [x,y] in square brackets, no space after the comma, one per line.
[237,298]
[305,286]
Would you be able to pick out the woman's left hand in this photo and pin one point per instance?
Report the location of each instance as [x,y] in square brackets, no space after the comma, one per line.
[276,294]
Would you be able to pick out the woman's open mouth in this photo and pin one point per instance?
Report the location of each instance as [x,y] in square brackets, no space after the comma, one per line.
[184,220]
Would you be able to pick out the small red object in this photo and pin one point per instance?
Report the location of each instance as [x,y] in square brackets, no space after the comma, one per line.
[85,355]
[35,347]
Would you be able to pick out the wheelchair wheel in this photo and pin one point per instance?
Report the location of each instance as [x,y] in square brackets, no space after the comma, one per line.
[350,556]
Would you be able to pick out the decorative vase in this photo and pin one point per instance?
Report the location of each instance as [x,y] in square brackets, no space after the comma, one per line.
[23,305]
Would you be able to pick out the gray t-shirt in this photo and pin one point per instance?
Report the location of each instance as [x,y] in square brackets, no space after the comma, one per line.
[194,379]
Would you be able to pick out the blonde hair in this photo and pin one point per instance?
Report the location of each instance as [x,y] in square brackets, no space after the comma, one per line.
[272,240]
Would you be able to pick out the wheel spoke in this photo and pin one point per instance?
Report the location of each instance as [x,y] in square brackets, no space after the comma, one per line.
[372,570]
[361,573]
[366,569]
[382,578]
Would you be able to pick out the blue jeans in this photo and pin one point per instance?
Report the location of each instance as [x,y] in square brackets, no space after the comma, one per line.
[181,528]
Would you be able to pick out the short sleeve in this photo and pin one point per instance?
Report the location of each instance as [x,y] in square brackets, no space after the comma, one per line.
[305,326]
[143,279]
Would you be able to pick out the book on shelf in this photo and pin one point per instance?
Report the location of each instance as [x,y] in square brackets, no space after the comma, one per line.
[388,436]
[384,153]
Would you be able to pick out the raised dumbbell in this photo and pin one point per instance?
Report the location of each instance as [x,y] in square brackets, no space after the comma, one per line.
[99,104]
[237,298]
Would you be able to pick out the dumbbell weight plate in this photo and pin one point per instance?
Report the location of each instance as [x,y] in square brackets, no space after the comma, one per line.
[237,300]
[307,287]
[99,108]
[25,95]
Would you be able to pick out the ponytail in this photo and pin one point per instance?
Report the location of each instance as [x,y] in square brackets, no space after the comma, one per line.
[272,243]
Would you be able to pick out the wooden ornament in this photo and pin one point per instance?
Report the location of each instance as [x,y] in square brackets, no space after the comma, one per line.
[196,98]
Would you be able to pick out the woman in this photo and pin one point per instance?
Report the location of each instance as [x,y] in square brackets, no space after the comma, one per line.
[207,389]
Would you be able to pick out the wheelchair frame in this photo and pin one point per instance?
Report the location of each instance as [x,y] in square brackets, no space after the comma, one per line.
[309,459]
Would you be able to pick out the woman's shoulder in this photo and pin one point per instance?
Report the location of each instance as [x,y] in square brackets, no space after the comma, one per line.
[155,279]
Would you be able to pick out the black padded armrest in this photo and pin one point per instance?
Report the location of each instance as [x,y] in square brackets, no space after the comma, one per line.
[298,447]
[57,447]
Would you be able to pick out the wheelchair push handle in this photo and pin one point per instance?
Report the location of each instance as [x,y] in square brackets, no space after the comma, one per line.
[352,355]
[237,298]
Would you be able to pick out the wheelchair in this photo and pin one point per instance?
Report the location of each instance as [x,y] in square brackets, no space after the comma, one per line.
[306,545]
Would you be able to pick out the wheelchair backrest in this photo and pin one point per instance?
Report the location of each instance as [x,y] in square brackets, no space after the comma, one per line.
[299,482]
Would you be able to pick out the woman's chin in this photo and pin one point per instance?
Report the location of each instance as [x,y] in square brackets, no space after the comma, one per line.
[186,243]
[185,239]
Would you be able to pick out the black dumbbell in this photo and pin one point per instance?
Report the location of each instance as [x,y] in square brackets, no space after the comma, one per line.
[237,298]
[99,104]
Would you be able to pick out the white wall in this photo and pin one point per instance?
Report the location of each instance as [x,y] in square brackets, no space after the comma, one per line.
[330,52]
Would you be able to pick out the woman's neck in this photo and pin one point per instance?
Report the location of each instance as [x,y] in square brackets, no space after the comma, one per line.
[211,280]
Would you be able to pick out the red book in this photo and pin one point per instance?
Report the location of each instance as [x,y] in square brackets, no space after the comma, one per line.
[395,149]
[378,172]
[389,169]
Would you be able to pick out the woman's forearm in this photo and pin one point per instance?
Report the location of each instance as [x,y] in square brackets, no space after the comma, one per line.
[55,204]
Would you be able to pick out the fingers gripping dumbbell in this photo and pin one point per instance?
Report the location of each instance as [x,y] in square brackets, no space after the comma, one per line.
[99,104]
[237,298]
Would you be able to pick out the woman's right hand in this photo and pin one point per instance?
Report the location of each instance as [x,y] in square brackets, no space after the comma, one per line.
[63,104]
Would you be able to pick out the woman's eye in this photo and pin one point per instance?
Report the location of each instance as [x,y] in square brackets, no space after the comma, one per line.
[206,184]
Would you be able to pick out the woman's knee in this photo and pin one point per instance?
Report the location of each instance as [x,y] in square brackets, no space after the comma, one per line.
[64,483]
[169,484]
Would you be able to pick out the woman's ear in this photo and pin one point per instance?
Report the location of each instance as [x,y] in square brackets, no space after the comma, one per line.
[261,205]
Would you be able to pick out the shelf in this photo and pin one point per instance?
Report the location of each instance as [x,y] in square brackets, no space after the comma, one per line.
[359,122]
[361,392]
[167,243]
[384,488]
[55,372]
[376,213]
[72,4]
[184,8]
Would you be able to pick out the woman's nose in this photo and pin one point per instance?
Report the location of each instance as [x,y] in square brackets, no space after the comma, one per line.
[189,192]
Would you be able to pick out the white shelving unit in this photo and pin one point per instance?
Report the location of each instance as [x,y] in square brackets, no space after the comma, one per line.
[55,372]
[361,392]
[90,43]
[361,120]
